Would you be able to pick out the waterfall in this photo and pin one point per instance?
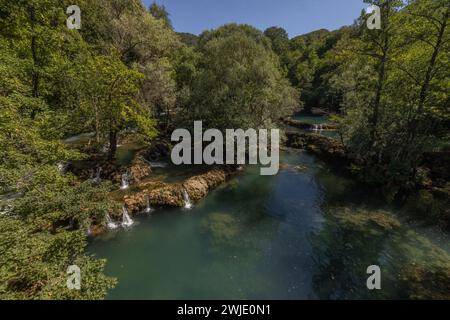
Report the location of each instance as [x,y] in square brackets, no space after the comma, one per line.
[89,231]
[317,127]
[62,168]
[110,223]
[126,219]
[97,178]
[6,209]
[157,164]
[105,148]
[187,201]
[124,184]
[148,209]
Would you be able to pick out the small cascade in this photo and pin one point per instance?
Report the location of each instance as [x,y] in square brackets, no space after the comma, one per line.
[124,185]
[126,219]
[317,127]
[6,209]
[105,148]
[187,201]
[97,178]
[148,209]
[62,168]
[110,223]
[6,202]
[89,231]
[157,164]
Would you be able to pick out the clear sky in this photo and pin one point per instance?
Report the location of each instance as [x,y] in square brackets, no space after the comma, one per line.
[296,16]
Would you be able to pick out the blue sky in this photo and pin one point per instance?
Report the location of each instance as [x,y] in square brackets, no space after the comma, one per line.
[296,16]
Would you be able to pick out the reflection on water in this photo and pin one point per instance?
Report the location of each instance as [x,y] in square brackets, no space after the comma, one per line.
[305,233]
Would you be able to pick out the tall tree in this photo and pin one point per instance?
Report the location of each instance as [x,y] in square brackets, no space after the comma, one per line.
[160,12]
[239,82]
[279,38]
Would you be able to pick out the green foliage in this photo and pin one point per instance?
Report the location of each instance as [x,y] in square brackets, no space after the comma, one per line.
[56,82]
[126,68]
[160,12]
[393,86]
[189,39]
[279,39]
[233,29]
[33,264]
[239,83]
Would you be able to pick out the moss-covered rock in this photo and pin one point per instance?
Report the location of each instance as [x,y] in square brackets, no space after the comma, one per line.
[364,219]
[325,148]
[425,268]
[172,194]
[223,228]
[425,205]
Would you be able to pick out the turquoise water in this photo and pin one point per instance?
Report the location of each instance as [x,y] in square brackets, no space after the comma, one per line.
[305,233]
[311,119]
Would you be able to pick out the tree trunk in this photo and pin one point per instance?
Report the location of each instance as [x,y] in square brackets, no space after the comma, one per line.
[414,125]
[432,63]
[414,122]
[34,73]
[97,123]
[112,144]
[381,77]
[376,105]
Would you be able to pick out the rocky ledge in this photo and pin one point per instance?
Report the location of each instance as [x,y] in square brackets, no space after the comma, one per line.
[309,126]
[173,194]
[324,148]
[109,170]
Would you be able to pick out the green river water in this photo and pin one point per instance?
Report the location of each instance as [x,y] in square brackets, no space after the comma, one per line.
[305,233]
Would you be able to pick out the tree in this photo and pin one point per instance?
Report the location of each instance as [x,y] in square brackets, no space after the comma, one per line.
[146,44]
[36,30]
[389,92]
[239,83]
[112,98]
[280,40]
[160,13]
[44,214]
[428,22]
[158,88]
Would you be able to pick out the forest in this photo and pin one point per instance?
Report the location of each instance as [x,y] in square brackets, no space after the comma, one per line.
[127,75]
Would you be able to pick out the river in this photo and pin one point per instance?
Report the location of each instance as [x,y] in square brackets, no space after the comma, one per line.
[305,233]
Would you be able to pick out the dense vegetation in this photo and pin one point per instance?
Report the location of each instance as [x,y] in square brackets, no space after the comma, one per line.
[126,68]
[389,87]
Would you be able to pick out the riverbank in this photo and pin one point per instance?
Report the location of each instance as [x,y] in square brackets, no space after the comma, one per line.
[146,179]
[306,233]
[428,200]
[162,194]
[240,222]
[309,126]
